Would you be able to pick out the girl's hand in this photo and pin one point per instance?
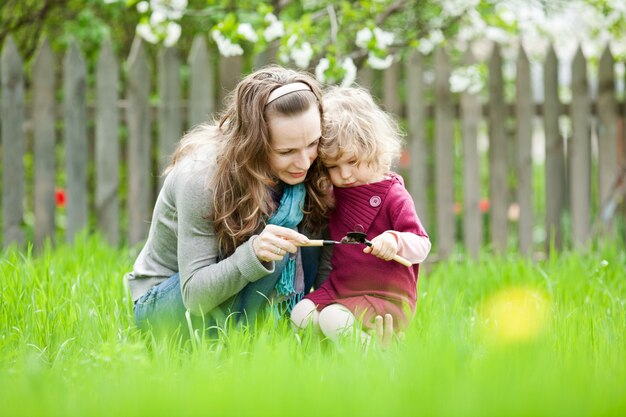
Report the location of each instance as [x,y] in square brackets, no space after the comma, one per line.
[384,246]
[383,330]
[275,241]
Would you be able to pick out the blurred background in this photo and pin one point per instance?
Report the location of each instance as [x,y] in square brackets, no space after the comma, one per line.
[514,110]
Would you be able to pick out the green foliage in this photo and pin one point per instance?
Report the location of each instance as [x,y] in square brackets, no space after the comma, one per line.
[88,22]
[329,26]
[68,346]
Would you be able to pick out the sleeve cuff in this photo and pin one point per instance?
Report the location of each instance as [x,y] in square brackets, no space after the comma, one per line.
[251,268]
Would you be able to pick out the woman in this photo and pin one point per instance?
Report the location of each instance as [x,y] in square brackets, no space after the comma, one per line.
[239,199]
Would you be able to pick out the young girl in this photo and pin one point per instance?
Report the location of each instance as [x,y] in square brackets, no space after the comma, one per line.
[359,145]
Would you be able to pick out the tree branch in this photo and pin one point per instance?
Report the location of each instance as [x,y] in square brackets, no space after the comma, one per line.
[333,23]
[34,18]
[394,8]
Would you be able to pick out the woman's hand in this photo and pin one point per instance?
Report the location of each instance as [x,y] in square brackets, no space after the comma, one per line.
[275,241]
[384,246]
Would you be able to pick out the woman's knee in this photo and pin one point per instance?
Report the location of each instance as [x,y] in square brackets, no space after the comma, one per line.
[304,313]
[335,320]
[161,306]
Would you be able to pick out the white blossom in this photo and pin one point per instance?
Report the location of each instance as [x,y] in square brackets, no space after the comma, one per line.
[172,9]
[246,30]
[618,5]
[458,82]
[275,30]
[436,22]
[321,68]
[466,34]
[613,17]
[455,8]
[179,5]
[172,35]
[363,37]
[383,39]
[425,46]
[350,75]
[496,34]
[476,21]
[436,36]
[379,63]
[225,46]
[302,55]
[466,79]
[619,49]
[142,6]
[157,17]
[507,16]
[146,32]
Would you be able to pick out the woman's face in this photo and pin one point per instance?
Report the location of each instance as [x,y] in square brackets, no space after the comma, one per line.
[294,141]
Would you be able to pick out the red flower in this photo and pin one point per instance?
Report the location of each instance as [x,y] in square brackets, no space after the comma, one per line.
[405,159]
[483,205]
[59,196]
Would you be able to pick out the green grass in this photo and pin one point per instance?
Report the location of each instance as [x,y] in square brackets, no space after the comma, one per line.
[498,337]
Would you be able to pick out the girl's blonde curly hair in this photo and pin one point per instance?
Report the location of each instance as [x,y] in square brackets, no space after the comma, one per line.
[355,125]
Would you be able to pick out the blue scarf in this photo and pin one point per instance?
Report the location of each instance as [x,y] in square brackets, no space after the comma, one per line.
[289,214]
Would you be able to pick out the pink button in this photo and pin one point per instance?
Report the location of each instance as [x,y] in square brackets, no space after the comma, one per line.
[375,201]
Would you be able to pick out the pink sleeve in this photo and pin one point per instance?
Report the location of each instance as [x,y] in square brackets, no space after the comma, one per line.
[412,247]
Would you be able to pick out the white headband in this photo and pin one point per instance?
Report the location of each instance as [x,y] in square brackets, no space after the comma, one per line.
[287,89]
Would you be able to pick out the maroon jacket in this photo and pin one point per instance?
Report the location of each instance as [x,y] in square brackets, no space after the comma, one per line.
[365,284]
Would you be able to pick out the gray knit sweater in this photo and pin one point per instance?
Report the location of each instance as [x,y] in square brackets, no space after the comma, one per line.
[182,239]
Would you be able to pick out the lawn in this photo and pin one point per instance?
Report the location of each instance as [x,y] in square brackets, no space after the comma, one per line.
[499,337]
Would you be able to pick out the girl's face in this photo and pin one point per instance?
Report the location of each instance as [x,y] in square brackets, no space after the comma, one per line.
[345,172]
[294,144]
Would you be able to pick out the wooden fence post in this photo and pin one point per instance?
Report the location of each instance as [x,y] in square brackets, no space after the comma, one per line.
[139,149]
[561,182]
[365,78]
[524,113]
[471,114]
[107,145]
[44,113]
[266,57]
[75,127]
[579,152]
[391,94]
[498,151]
[555,158]
[170,125]
[444,155]
[607,136]
[417,145]
[201,83]
[12,132]
[231,69]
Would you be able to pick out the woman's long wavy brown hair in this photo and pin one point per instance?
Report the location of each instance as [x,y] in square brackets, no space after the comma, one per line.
[243,182]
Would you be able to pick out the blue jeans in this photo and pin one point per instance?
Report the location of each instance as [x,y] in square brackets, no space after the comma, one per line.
[162,309]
